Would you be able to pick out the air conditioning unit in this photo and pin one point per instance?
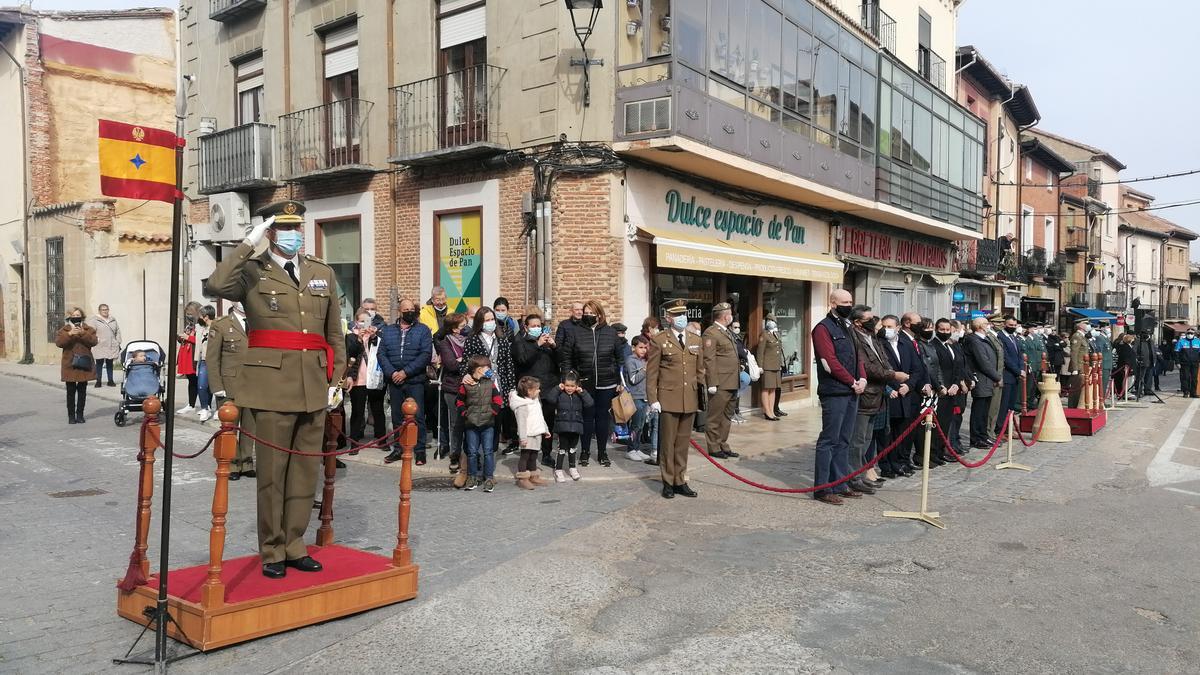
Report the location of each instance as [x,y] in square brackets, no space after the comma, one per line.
[648,116]
[228,217]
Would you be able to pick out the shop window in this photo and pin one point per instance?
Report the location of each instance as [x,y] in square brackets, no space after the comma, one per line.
[891,301]
[787,300]
[458,242]
[339,243]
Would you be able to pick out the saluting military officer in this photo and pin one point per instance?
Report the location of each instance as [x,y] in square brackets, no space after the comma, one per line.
[674,375]
[721,369]
[295,345]
[227,344]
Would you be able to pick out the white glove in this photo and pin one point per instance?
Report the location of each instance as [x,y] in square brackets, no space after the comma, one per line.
[255,234]
[220,394]
[712,390]
[656,407]
[335,397]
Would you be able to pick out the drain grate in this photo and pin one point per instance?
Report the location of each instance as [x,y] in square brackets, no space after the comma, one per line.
[433,484]
[90,492]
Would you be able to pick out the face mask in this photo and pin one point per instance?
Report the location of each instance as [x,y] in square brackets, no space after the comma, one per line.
[371,313]
[843,311]
[679,322]
[489,326]
[1095,332]
[957,335]
[409,317]
[735,330]
[889,333]
[771,325]
[588,320]
[1020,330]
[870,325]
[944,337]
[289,241]
[535,332]
[1010,329]
[465,330]
[927,334]
[501,316]
[441,307]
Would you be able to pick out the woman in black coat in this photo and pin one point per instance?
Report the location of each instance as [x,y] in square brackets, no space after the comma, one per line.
[593,350]
[487,340]
[534,355]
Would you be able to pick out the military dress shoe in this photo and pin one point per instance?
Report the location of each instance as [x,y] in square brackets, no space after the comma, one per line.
[305,564]
[653,461]
[685,491]
[668,492]
[235,475]
[275,570]
[720,454]
[732,454]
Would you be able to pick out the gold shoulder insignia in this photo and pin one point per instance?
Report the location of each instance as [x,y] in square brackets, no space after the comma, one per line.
[315,259]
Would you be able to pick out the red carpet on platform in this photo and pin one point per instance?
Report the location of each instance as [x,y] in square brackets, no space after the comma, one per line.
[244,579]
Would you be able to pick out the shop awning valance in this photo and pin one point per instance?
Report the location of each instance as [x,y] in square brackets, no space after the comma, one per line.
[1094,314]
[944,279]
[981,282]
[676,250]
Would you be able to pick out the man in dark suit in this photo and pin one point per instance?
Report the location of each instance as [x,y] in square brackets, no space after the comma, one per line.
[903,409]
[952,369]
[981,361]
[1013,366]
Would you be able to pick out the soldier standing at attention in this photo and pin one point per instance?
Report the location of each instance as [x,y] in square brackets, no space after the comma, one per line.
[721,368]
[295,345]
[1080,348]
[1104,347]
[674,375]
[227,345]
[1035,349]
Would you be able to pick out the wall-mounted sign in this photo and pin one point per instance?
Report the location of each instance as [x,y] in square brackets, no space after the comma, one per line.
[460,254]
[907,252]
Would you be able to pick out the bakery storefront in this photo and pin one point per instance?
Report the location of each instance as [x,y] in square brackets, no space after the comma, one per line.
[895,271]
[764,258]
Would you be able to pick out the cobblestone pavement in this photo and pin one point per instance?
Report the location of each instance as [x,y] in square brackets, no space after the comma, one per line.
[604,576]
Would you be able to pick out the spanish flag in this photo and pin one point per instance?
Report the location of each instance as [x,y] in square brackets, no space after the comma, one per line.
[137,162]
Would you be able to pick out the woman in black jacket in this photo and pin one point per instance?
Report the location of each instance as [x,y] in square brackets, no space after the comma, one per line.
[487,340]
[533,353]
[593,350]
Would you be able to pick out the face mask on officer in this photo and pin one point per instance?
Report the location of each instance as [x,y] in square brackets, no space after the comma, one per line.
[680,322]
[289,241]
[771,325]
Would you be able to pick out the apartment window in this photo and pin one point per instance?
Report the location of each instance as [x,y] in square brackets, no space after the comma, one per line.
[462,64]
[339,244]
[924,44]
[249,89]
[1026,228]
[56,310]
[340,58]
[1048,236]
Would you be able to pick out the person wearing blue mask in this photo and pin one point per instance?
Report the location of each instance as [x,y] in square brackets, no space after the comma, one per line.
[533,355]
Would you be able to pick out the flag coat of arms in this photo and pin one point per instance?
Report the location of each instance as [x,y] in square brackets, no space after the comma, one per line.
[137,162]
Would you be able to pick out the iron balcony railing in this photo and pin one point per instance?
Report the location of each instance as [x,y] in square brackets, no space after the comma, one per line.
[1033,262]
[978,257]
[1056,269]
[237,159]
[326,138]
[931,67]
[227,10]
[1076,239]
[1074,294]
[1176,310]
[442,113]
[878,23]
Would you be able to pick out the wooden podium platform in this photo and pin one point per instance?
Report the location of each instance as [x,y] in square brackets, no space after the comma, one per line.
[229,601]
[1082,422]
[353,581]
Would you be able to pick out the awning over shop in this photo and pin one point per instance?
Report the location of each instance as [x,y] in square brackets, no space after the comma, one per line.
[1093,314]
[710,254]
[981,282]
[944,279]
[1047,301]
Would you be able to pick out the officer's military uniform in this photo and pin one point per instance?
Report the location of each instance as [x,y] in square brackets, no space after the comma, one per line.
[994,339]
[674,375]
[1080,349]
[1035,350]
[295,345]
[1104,348]
[227,344]
[721,368]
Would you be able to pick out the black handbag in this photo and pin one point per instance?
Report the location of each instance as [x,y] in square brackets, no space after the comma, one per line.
[82,362]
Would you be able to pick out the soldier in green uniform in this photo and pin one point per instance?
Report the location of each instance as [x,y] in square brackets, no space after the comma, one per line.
[721,369]
[1080,349]
[1035,350]
[227,344]
[674,375]
[1103,343]
[295,345]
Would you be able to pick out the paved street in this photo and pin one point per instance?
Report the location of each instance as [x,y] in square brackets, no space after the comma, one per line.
[1085,565]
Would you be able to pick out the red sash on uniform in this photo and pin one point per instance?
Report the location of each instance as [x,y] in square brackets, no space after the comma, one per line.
[287,339]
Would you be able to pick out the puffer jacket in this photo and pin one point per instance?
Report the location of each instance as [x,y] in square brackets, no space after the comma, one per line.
[534,361]
[594,353]
[409,352]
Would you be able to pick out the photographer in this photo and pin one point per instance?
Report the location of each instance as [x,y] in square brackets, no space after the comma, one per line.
[76,340]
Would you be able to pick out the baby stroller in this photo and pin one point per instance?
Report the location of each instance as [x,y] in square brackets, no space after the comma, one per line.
[142,378]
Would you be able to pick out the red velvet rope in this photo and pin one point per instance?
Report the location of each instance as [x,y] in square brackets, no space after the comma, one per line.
[381,442]
[1036,435]
[958,458]
[816,488]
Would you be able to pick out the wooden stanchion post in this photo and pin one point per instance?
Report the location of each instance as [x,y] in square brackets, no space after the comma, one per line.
[151,407]
[212,594]
[1097,383]
[924,515]
[334,422]
[402,555]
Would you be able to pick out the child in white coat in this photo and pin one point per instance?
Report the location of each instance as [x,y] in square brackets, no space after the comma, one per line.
[531,429]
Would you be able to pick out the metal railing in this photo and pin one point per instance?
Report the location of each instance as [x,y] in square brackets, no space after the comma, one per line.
[1093,188]
[237,158]
[979,257]
[878,23]
[325,138]
[1074,294]
[931,67]
[1033,262]
[223,10]
[1177,310]
[1056,269]
[447,111]
[1076,239]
